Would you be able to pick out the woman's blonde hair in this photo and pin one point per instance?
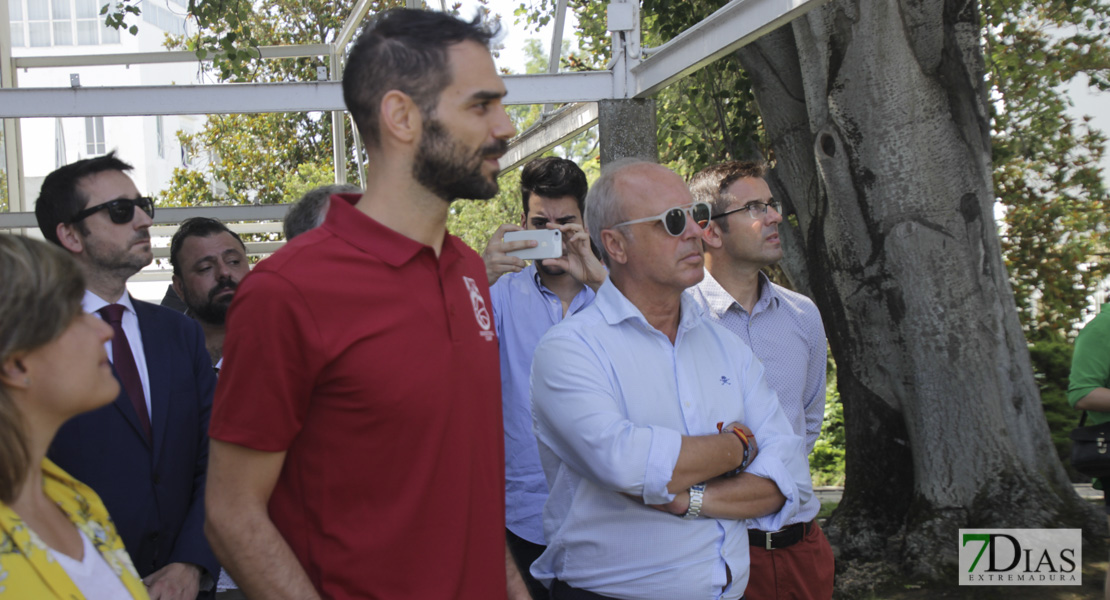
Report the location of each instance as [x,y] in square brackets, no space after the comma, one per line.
[41,288]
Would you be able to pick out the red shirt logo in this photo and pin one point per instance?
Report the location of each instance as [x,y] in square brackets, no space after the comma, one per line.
[479,304]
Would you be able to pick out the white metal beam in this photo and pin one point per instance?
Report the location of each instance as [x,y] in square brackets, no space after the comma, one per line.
[175,56]
[162,216]
[734,25]
[252,248]
[350,26]
[10,127]
[171,99]
[248,228]
[559,88]
[564,124]
[244,98]
[556,44]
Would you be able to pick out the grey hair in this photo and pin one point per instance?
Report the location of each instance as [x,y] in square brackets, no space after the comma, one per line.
[309,212]
[603,207]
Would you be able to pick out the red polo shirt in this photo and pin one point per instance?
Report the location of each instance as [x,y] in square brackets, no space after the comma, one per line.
[374,365]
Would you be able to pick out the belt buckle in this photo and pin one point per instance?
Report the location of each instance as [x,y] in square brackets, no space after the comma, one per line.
[769,534]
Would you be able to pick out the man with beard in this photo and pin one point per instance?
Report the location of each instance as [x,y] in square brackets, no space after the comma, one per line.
[209,260]
[527,301]
[356,434]
[145,454]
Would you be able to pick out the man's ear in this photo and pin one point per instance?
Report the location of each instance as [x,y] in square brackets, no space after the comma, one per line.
[712,235]
[69,237]
[400,117]
[524,220]
[13,374]
[614,243]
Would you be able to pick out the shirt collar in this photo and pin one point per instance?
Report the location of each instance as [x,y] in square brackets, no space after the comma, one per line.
[615,307]
[718,301]
[91,303]
[359,230]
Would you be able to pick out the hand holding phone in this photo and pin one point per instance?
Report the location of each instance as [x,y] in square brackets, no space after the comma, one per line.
[549,243]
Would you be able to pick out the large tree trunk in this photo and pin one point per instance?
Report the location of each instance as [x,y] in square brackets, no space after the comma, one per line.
[877,116]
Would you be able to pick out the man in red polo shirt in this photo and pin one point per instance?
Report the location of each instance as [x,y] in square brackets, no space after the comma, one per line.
[356,434]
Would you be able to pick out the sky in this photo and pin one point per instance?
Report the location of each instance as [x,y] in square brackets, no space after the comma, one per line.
[512,56]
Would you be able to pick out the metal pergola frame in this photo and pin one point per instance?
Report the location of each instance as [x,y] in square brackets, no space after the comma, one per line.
[634,72]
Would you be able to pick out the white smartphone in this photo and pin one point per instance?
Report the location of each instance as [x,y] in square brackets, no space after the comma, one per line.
[550,243]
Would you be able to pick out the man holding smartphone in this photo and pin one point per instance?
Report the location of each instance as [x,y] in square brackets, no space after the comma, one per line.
[527,301]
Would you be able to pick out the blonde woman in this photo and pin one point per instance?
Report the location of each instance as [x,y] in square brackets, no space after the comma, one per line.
[56,538]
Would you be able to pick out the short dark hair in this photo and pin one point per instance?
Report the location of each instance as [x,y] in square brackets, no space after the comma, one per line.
[709,184]
[59,200]
[197,227]
[308,213]
[553,177]
[406,50]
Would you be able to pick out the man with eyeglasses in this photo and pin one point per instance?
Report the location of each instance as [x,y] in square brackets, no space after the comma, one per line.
[783,329]
[146,454]
[657,432]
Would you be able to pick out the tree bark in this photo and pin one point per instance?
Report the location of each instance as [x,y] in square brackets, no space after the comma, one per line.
[877,116]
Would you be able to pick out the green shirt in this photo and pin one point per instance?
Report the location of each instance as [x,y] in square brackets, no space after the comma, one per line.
[1090,364]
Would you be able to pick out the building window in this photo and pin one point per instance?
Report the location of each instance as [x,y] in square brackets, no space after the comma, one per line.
[42,23]
[94,136]
[38,24]
[15,17]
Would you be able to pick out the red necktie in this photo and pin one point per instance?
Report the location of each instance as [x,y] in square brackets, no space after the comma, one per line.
[124,362]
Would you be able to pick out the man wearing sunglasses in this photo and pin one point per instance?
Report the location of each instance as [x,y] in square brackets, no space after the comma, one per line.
[146,454]
[783,329]
[657,432]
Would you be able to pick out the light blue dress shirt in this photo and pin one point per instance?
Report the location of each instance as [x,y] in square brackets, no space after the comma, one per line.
[523,310]
[612,398]
[784,331]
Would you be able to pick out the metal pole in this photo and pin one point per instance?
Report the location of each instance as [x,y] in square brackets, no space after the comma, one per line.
[338,140]
[556,45]
[13,164]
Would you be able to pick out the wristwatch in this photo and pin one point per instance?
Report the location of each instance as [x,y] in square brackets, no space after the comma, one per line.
[697,494]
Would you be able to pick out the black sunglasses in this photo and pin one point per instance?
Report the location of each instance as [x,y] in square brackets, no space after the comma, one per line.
[121,210]
[674,219]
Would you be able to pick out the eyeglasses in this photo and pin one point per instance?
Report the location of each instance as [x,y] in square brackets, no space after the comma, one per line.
[674,219]
[121,210]
[755,208]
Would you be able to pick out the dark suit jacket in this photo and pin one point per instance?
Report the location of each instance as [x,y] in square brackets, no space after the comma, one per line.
[154,492]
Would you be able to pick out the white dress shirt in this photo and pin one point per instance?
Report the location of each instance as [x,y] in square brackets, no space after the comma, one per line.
[130,323]
[612,398]
[784,331]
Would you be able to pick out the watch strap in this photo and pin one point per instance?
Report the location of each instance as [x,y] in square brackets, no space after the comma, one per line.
[697,495]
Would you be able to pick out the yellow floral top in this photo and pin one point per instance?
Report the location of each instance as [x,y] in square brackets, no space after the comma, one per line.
[28,570]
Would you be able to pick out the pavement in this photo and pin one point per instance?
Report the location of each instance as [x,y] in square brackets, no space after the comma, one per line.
[833,493]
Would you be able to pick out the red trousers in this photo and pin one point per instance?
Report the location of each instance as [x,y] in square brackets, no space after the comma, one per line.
[803,571]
